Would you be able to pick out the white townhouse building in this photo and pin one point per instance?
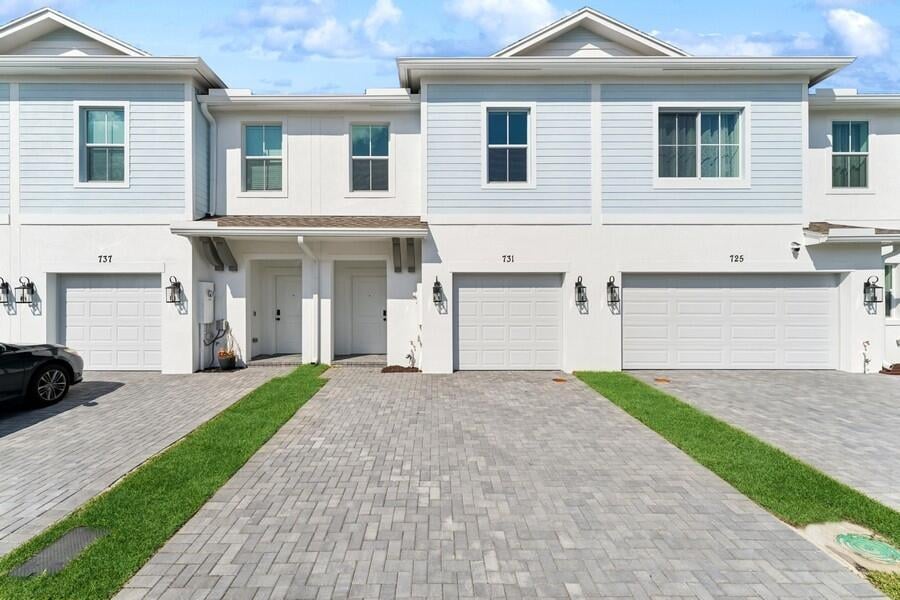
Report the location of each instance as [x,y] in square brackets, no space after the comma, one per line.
[588,197]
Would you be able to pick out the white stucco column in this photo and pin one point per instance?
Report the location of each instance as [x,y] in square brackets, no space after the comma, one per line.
[309,312]
[326,311]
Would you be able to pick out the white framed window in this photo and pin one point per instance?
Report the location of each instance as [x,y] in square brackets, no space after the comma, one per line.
[263,157]
[370,157]
[699,144]
[102,155]
[508,138]
[850,154]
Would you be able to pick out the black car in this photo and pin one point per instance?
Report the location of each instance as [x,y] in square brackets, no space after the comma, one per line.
[40,373]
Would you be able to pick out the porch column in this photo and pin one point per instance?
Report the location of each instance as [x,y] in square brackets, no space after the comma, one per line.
[326,310]
[309,311]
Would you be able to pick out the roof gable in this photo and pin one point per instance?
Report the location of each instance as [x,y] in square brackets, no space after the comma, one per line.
[587,32]
[47,32]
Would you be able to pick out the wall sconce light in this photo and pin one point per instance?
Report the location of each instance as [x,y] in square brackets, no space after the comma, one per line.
[580,292]
[872,292]
[25,291]
[437,292]
[174,291]
[4,292]
[795,249]
[612,292]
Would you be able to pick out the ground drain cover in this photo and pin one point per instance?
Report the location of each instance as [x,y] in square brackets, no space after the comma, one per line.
[855,546]
[870,547]
[57,555]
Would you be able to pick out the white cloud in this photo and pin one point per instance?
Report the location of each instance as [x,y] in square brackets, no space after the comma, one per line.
[752,44]
[857,33]
[505,20]
[296,29]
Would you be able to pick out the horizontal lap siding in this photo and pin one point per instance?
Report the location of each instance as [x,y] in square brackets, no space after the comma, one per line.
[4,148]
[628,151]
[156,149]
[455,150]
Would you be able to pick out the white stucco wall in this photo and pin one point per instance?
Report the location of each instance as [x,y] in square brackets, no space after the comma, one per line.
[593,340]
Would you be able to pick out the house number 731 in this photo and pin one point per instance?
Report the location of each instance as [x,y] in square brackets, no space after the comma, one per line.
[509,258]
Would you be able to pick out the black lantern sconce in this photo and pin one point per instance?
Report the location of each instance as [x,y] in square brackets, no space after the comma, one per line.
[580,292]
[872,292]
[437,293]
[174,291]
[25,291]
[4,292]
[612,293]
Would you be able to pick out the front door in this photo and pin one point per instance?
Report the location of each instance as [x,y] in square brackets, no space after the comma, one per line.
[369,334]
[287,314]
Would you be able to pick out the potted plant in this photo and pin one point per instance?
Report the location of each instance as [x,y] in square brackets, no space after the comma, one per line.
[227,358]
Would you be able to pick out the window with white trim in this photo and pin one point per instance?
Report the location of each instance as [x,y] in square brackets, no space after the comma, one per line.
[850,154]
[507,145]
[262,158]
[704,144]
[103,136]
[369,160]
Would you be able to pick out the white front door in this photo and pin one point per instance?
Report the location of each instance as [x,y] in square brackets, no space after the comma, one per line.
[114,321]
[369,334]
[287,314]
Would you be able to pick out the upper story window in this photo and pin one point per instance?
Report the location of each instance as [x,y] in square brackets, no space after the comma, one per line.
[103,135]
[702,144]
[262,158]
[369,145]
[850,154]
[507,145]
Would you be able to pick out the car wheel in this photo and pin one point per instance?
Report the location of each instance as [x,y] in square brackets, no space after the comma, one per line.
[49,385]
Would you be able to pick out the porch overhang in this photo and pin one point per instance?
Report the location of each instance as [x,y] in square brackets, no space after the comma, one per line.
[821,232]
[266,226]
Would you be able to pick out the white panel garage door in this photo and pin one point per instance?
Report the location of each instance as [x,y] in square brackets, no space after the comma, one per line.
[508,321]
[730,322]
[112,320]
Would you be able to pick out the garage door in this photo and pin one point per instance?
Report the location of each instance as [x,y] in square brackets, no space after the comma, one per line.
[112,320]
[508,321]
[730,322]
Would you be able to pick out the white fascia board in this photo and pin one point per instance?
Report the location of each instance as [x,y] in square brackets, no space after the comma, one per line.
[864,101]
[197,229]
[814,69]
[314,103]
[104,66]
[590,16]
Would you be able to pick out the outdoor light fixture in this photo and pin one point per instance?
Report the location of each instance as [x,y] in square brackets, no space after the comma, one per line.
[612,292]
[4,291]
[437,292]
[25,292]
[872,292]
[174,291]
[580,292]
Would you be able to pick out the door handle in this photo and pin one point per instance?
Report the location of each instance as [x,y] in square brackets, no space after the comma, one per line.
[384,315]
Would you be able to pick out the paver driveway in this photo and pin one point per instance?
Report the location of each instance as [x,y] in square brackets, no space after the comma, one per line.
[53,460]
[480,484]
[844,424]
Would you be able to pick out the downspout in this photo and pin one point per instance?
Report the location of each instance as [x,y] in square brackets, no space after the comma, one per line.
[211,153]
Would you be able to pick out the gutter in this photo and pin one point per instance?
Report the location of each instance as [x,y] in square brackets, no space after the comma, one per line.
[211,156]
[193,229]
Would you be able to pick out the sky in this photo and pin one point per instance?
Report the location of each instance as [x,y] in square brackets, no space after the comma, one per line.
[345,46]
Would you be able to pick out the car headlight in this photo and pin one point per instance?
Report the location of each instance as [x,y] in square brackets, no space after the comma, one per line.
[71,350]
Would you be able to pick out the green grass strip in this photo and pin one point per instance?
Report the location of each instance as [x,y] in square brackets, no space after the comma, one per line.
[792,490]
[148,506]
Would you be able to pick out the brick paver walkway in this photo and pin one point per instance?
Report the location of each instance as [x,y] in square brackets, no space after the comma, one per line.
[480,485]
[844,424]
[54,459]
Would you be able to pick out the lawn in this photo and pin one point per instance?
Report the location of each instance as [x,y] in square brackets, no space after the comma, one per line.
[786,487]
[149,505]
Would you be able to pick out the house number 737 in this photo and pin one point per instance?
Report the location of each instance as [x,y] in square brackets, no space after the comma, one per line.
[104,258]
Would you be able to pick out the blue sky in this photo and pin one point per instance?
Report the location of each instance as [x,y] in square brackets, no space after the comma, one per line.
[333,46]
